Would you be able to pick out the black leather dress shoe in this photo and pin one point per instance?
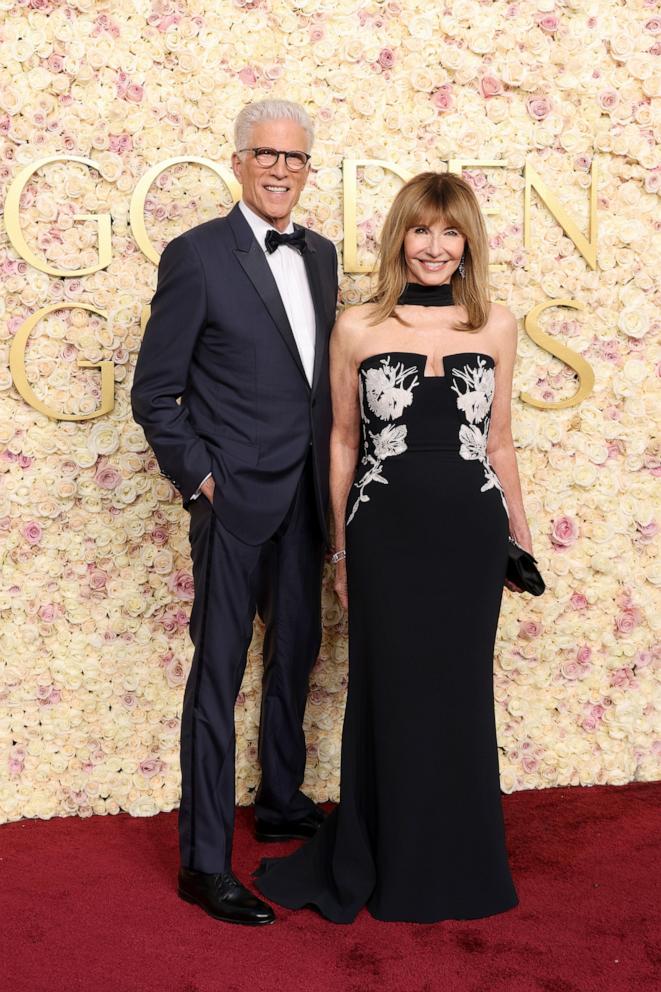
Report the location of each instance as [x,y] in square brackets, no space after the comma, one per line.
[289,829]
[224,898]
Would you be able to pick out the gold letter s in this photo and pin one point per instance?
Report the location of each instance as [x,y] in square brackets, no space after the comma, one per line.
[561,351]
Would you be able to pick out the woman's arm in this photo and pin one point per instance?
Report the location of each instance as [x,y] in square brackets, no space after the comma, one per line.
[500,446]
[345,434]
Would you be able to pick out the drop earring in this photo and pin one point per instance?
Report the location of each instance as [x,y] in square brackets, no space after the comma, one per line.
[462,268]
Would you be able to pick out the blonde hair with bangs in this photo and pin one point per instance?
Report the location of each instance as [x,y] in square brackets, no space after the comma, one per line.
[426,198]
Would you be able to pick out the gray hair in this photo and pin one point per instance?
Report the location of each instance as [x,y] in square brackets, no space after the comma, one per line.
[270,110]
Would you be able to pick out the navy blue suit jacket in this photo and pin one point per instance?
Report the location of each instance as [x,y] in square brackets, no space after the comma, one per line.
[219,386]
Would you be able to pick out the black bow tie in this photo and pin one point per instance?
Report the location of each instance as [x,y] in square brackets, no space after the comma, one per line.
[296,240]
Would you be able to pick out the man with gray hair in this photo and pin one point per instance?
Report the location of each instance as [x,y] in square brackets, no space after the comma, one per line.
[231,387]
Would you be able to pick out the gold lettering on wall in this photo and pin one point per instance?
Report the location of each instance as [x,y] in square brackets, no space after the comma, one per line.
[350,182]
[137,207]
[561,351]
[17,367]
[15,233]
[586,246]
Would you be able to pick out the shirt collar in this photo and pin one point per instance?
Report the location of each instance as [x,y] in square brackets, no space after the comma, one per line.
[258,226]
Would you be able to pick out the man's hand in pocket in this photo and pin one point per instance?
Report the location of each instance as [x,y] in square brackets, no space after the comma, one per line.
[207,488]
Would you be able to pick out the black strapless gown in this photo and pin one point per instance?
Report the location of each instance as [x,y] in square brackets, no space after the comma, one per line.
[418,835]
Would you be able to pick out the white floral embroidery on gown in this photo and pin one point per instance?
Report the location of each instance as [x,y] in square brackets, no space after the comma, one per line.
[388,391]
[474,399]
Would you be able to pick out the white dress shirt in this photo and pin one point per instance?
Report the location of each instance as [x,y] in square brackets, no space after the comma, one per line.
[288,270]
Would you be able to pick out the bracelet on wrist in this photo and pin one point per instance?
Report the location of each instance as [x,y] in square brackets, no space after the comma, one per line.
[338,556]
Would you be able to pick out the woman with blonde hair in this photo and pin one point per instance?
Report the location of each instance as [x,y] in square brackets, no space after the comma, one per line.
[425,488]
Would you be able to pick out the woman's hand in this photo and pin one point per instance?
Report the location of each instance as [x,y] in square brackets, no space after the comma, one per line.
[340,583]
[522,536]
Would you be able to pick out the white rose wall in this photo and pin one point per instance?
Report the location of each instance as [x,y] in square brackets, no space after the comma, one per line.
[540,104]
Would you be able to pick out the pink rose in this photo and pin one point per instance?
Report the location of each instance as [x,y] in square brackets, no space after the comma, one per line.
[647,531]
[181,584]
[583,163]
[608,99]
[247,76]
[96,578]
[443,99]
[572,670]
[181,617]
[622,678]
[55,62]
[386,58]
[593,715]
[151,767]
[175,673]
[129,700]
[549,23]
[539,107]
[584,654]
[16,762]
[529,629]
[653,25]
[529,763]
[490,86]
[167,21]
[32,532]
[564,532]
[159,535]
[134,92]
[626,621]
[642,659]
[120,143]
[47,613]
[48,695]
[316,33]
[578,601]
[107,477]
[168,622]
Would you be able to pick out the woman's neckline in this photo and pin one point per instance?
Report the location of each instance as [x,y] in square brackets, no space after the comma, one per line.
[417,295]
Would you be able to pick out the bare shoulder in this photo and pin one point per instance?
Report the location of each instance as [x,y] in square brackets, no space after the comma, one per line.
[503,331]
[351,326]
[502,319]
[355,319]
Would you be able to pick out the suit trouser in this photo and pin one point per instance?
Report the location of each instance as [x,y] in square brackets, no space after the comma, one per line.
[282,579]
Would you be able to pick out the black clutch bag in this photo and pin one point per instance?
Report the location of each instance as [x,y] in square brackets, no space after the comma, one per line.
[522,570]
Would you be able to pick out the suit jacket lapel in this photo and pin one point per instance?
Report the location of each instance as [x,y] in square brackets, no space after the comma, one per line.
[250,256]
[311,260]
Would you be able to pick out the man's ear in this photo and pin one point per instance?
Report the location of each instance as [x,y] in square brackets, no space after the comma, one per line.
[236,165]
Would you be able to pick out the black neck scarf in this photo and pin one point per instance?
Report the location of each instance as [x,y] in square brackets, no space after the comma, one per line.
[417,295]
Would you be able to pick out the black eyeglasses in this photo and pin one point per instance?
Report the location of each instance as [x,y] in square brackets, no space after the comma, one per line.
[266,157]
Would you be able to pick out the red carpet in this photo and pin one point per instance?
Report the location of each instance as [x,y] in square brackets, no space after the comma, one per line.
[91,905]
